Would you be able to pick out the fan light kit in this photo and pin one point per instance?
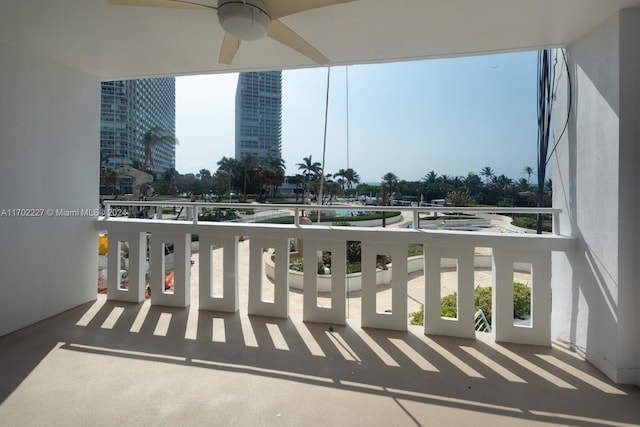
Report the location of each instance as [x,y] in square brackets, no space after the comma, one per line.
[245,21]
[250,20]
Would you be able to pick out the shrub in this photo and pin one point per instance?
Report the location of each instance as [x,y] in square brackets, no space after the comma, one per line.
[326,260]
[449,305]
[415,249]
[450,312]
[481,301]
[521,300]
[217,215]
[297,264]
[354,251]
[354,267]
[530,221]
[417,318]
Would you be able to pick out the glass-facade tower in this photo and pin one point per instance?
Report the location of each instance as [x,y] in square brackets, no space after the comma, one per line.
[259,115]
[128,109]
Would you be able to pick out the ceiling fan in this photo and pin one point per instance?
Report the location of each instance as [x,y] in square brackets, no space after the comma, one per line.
[249,20]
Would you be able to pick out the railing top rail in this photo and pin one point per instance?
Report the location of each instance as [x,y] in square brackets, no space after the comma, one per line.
[514,241]
[367,208]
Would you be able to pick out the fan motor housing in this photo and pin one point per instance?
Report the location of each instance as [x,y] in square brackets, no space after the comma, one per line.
[246,21]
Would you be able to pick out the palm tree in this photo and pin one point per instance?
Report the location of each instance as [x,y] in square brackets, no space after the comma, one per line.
[340,175]
[296,180]
[502,182]
[247,164]
[445,178]
[523,185]
[472,183]
[227,164]
[390,179]
[269,174]
[155,137]
[309,168]
[488,173]
[528,170]
[351,177]
[276,163]
[277,167]
[430,177]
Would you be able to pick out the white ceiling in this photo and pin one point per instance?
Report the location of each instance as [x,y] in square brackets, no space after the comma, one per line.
[117,42]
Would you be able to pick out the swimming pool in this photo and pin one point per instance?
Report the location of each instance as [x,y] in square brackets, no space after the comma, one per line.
[347,212]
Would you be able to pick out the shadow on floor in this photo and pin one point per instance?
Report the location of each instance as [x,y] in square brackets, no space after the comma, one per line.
[110,357]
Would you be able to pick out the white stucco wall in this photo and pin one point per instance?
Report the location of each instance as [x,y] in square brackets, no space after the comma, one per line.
[629,256]
[49,137]
[595,290]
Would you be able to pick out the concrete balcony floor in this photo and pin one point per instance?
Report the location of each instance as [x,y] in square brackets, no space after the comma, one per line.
[113,363]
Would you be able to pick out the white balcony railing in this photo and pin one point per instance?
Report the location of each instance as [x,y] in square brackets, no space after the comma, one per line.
[507,250]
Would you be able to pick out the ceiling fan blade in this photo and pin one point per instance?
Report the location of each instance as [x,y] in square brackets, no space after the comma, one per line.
[170,4]
[285,35]
[280,8]
[228,49]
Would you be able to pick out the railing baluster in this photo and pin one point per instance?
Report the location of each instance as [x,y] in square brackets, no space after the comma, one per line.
[463,326]
[280,305]
[228,302]
[136,257]
[336,314]
[181,296]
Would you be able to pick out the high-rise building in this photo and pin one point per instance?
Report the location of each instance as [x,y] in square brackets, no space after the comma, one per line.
[259,115]
[130,108]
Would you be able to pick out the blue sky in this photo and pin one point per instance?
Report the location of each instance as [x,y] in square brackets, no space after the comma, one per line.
[453,116]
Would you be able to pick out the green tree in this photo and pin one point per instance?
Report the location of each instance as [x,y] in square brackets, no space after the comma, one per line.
[472,184]
[109,180]
[351,177]
[247,166]
[487,173]
[171,175]
[458,199]
[340,175]
[155,137]
[233,171]
[528,170]
[309,169]
[276,167]
[430,177]
[298,181]
[390,179]
[206,184]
